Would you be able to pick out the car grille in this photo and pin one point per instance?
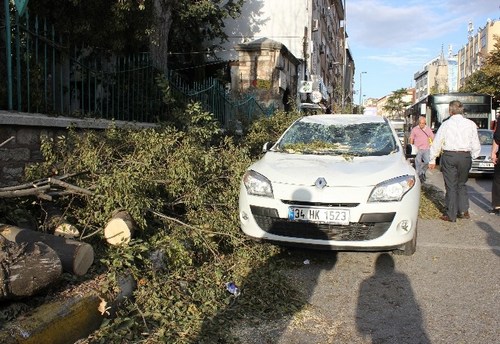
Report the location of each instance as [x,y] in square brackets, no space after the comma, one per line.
[481,160]
[370,227]
[318,204]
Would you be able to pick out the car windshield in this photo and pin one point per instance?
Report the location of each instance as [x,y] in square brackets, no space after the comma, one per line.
[486,137]
[359,139]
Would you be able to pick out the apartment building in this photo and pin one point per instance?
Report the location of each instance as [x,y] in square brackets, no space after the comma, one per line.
[292,48]
[472,55]
[447,73]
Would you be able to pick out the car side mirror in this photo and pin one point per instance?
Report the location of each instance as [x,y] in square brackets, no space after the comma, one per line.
[267,146]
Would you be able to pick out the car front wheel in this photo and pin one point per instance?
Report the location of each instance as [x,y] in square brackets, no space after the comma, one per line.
[409,248]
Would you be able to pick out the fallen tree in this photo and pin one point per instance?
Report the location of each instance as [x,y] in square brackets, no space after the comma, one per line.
[45,188]
[76,257]
[27,268]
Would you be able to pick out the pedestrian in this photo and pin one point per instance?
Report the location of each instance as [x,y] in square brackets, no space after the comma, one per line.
[422,136]
[457,143]
[495,157]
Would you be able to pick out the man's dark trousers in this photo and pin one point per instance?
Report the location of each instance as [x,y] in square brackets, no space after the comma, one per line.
[455,167]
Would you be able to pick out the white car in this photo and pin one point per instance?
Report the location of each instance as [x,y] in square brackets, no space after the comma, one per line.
[483,163]
[339,182]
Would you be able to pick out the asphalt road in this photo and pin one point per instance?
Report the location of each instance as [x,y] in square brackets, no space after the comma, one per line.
[447,292]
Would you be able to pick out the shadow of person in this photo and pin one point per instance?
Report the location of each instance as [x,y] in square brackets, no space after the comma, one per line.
[270,297]
[477,197]
[493,238]
[387,310]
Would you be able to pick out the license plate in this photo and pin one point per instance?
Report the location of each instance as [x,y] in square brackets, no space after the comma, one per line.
[486,164]
[320,215]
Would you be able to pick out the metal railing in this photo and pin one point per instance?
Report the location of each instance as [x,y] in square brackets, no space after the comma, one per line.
[214,97]
[46,74]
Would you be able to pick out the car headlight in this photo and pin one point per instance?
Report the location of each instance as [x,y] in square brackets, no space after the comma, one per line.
[256,184]
[392,189]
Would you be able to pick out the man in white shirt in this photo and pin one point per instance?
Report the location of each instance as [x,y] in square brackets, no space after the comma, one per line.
[457,143]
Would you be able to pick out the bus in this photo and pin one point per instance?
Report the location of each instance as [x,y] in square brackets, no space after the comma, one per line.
[477,107]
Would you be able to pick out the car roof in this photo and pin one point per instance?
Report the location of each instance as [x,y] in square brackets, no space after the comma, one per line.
[342,119]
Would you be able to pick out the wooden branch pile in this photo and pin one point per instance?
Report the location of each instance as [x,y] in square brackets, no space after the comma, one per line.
[46,188]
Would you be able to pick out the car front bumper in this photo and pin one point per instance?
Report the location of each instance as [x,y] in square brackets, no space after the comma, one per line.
[482,165]
[372,226]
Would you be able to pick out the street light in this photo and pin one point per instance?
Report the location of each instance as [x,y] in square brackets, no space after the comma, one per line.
[360,86]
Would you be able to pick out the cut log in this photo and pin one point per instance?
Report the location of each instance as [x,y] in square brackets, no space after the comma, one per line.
[56,322]
[76,256]
[26,269]
[56,223]
[120,229]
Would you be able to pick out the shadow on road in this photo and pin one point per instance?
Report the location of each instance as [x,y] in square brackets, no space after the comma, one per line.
[387,311]
[493,238]
[475,196]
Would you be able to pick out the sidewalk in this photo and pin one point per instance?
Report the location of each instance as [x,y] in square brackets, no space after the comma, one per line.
[479,197]
[435,178]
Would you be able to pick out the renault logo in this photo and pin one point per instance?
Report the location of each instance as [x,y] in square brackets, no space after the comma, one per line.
[320,183]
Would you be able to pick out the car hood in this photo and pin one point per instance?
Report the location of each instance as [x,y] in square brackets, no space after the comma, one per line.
[306,169]
[485,151]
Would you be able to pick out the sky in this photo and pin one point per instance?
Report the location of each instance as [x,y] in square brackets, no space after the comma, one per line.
[391,40]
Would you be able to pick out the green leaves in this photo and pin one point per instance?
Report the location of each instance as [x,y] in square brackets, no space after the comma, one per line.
[180,182]
[396,104]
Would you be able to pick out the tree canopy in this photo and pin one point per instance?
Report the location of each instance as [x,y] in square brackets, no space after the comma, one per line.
[175,28]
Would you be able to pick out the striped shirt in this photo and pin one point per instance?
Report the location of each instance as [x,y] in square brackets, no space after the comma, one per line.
[456,134]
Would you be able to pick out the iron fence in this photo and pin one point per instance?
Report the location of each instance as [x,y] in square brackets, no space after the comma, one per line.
[46,74]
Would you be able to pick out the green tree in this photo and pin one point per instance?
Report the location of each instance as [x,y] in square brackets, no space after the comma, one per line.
[193,23]
[487,79]
[396,104]
[164,27]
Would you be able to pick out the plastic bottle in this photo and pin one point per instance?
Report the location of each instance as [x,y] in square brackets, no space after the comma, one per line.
[233,289]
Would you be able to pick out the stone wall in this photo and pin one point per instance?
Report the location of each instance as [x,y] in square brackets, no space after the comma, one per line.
[21,133]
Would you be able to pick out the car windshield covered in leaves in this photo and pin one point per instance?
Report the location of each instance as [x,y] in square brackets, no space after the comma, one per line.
[335,137]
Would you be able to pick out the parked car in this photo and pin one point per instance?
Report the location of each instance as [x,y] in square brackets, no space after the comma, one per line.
[483,164]
[311,109]
[339,182]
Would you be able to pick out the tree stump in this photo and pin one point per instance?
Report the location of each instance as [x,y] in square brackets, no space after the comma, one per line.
[76,257]
[120,229]
[26,268]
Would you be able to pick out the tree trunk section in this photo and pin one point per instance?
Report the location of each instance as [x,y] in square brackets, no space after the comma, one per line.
[76,257]
[120,229]
[56,223]
[57,322]
[26,269]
